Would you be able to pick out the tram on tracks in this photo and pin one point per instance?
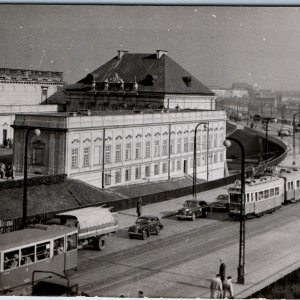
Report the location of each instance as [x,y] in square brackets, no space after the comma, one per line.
[38,250]
[265,194]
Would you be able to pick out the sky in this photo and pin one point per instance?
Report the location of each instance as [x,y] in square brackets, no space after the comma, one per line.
[217,44]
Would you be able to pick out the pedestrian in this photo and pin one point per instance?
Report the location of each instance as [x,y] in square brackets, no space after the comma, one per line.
[228,288]
[7,172]
[222,270]
[139,207]
[2,168]
[141,294]
[13,170]
[216,289]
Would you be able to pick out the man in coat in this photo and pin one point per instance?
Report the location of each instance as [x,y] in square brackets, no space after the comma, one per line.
[222,270]
[216,289]
[228,288]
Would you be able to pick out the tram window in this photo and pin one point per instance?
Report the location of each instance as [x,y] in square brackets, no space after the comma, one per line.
[11,260]
[289,185]
[256,196]
[260,195]
[277,191]
[43,251]
[292,185]
[235,198]
[298,183]
[266,194]
[27,255]
[72,242]
[58,246]
[251,197]
[247,198]
[271,192]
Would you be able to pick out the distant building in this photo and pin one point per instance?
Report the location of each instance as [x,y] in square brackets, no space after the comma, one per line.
[131,120]
[24,91]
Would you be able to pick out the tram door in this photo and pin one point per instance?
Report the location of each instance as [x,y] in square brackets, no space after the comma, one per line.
[71,251]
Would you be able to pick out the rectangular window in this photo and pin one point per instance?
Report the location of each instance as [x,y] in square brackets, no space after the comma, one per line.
[186,145]
[156,169]
[165,168]
[128,151]
[97,155]
[165,147]
[221,157]
[107,156]
[118,157]
[276,191]
[86,157]
[272,193]
[247,196]
[192,144]
[138,172]
[172,146]
[191,162]
[215,157]
[216,140]
[173,165]
[43,251]
[27,255]
[11,260]
[298,183]
[178,165]
[210,157]
[156,148]
[71,242]
[147,149]
[210,141]
[128,174]
[138,150]
[59,246]
[179,143]
[221,139]
[204,142]
[107,178]
[38,158]
[260,195]
[147,171]
[118,176]
[74,158]
[266,194]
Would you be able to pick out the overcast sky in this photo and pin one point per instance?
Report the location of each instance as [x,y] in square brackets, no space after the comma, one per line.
[219,45]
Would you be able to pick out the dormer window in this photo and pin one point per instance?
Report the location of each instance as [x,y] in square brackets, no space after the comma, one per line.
[187,80]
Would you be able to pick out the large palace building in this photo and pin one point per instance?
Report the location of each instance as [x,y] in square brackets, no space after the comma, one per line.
[132,119]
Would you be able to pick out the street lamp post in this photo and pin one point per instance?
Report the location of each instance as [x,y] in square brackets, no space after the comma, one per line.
[37,132]
[195,159]
[294,134]
[241,266]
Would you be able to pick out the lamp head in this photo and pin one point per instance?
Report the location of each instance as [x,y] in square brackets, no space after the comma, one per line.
[227,143]
[37,132]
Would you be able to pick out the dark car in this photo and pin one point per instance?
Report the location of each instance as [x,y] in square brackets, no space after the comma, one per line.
[144,226]
[193,209]
[221,204]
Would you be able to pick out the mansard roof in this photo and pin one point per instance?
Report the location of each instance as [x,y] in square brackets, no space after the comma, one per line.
[152,75]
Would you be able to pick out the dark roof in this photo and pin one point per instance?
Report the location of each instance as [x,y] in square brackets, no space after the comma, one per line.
[162,75]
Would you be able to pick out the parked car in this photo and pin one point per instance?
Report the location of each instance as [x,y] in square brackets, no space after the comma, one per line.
[285,132]
[221,204]
[193,209]
[144,226]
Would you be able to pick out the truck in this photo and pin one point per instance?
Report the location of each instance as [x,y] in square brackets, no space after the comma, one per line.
[94,224]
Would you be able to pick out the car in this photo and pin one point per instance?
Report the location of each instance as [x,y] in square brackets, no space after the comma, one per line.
[144,226]
[221,203]
[285,132]
[193,209]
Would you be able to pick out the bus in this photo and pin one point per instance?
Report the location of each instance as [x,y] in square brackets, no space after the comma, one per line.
[40,249]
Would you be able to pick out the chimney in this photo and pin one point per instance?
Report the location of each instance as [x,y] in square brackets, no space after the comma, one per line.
[121,53]
[160,53]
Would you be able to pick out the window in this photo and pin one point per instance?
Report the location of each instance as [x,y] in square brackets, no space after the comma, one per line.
[178,165]
[156,148]
[191,162]
[298,183]
[86,157]
[138,150]
[147,149]
[260,195]
[118,153]
[164,168]
[266,194]
[203,159]
[97,155]
[272,192]
[210,141]
[38,157]
[107,178]
[172,144]
[179,143]
[221,157]
[59,246]
[27,255]
[215,157]
[71,242]
[138,172]
[74,158]
[221,139]
[186,145]
[42,251]
[107,156]
[191,144]
[118,176]
[11,260]
[276,191]
[128,151]
[215,140]
[173,165]
[204,141]
[165,147]
[247,197]
[147,171]
[128,174]
[210,158]
[156,169]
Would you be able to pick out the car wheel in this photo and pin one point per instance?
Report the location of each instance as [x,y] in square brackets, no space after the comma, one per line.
[100,243]
[157,230]
[193,217]
[145,235]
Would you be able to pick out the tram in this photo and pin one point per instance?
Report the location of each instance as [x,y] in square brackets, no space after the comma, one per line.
[40,250]
[265,194]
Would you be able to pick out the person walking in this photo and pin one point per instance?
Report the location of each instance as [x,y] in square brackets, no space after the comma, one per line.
[139,207]
[13,170]
[216,289]
[222,270]
[228,288]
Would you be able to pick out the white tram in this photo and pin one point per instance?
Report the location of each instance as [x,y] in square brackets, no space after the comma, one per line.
[265,194]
